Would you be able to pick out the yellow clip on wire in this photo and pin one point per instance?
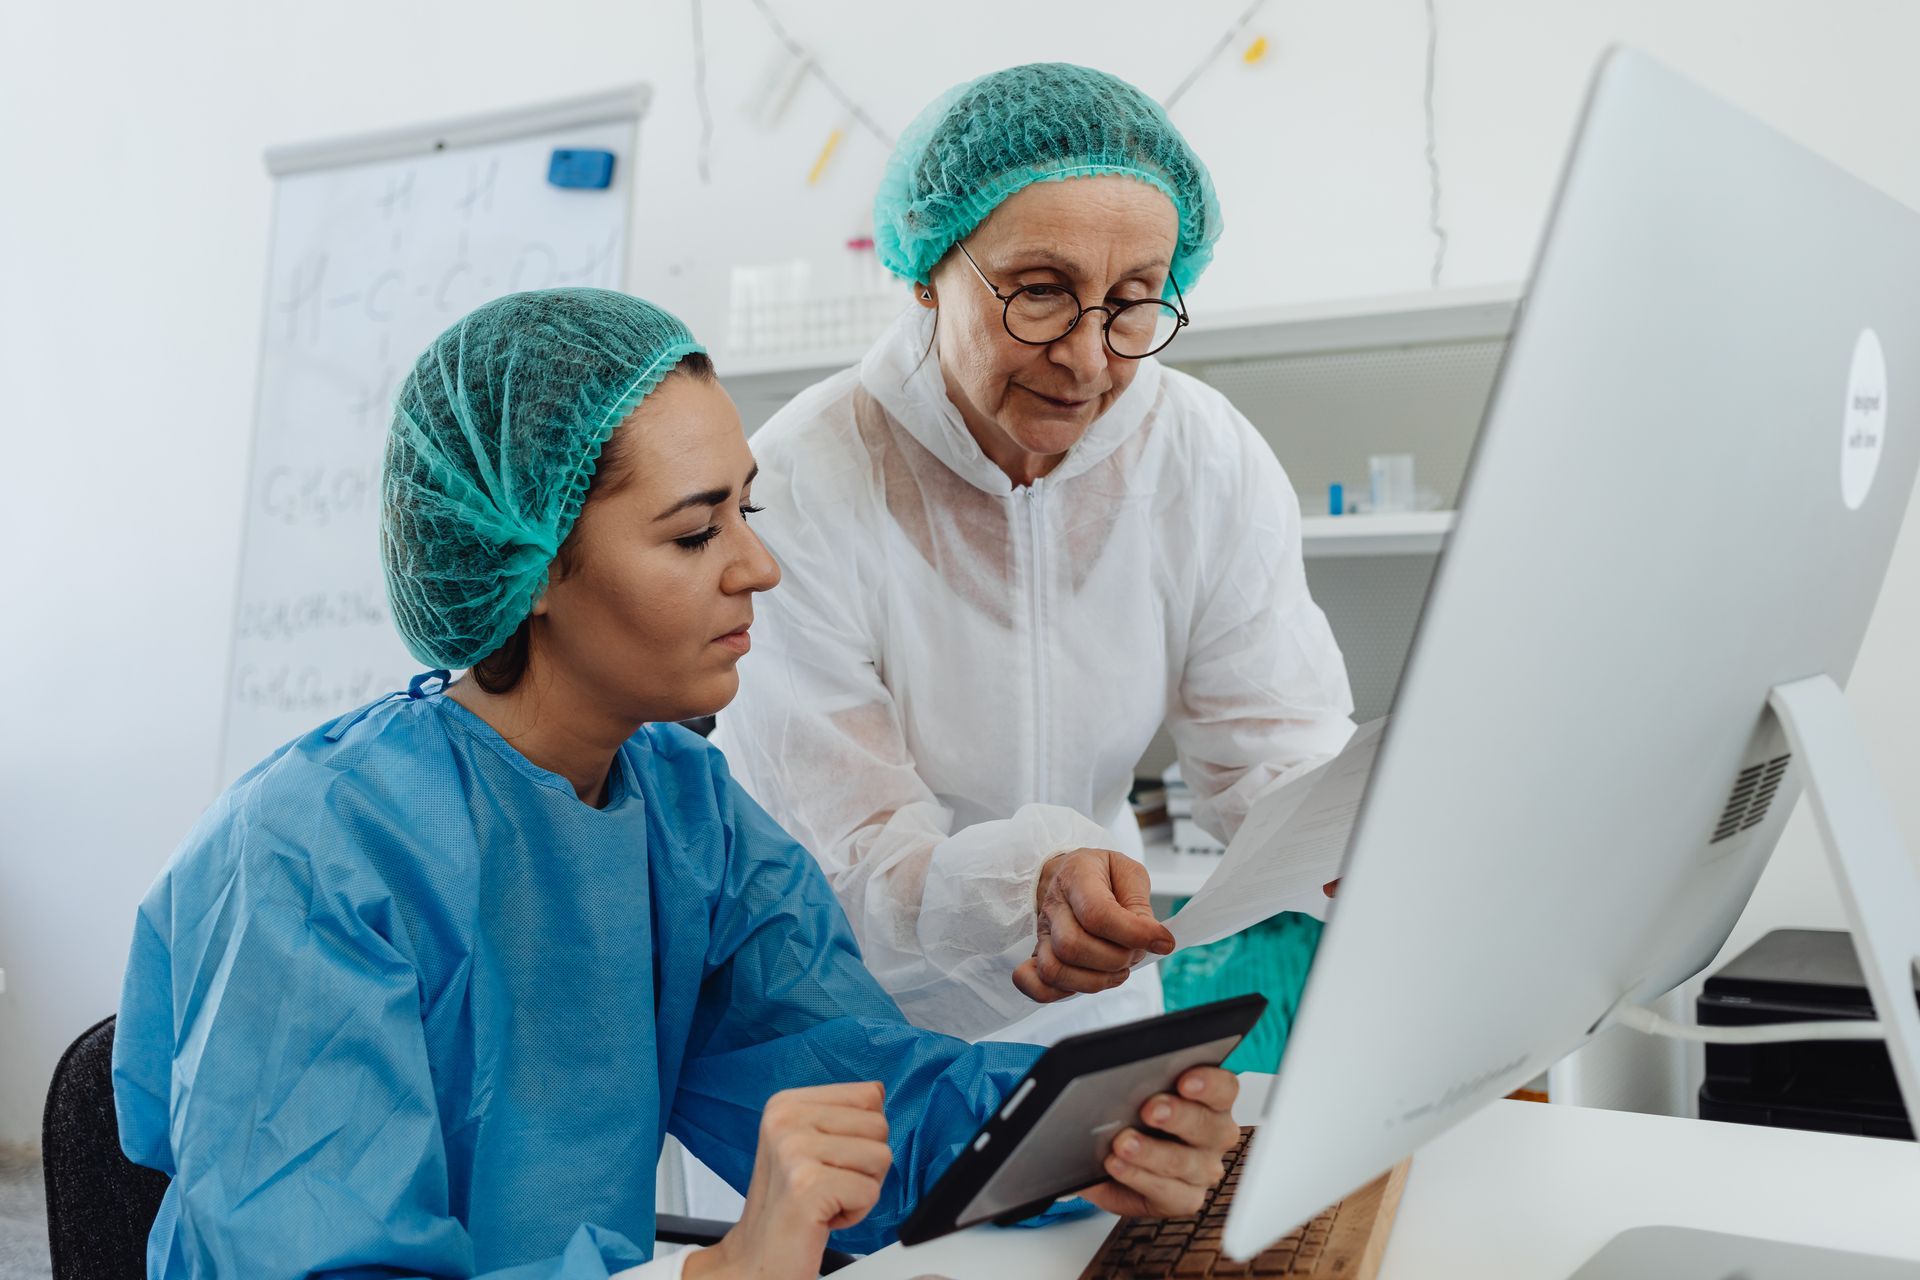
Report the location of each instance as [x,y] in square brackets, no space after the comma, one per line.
[826,154]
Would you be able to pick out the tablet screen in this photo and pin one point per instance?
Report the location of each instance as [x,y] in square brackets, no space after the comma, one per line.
[1052,1133]
[1066,1151]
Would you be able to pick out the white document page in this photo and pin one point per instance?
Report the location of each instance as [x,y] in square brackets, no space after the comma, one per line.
[1286,851]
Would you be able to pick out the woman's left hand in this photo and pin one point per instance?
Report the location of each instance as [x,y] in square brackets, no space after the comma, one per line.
[1168,1177]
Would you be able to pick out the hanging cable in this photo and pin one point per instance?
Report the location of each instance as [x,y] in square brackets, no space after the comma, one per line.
[1647,1022]
[700,94]
[1433,154]
[1219,47]
[819,73]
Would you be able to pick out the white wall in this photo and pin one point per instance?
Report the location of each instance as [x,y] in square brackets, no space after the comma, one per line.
[132,238]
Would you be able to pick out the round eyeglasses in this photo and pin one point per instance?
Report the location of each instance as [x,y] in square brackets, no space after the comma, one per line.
[1040,315]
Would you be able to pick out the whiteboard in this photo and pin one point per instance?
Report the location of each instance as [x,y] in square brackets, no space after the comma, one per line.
[378,244]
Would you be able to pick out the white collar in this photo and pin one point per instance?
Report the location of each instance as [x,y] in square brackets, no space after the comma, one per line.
[912,390]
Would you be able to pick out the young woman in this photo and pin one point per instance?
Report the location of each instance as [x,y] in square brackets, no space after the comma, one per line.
[423,991]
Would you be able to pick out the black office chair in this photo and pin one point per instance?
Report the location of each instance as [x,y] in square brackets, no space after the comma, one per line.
[101,1205]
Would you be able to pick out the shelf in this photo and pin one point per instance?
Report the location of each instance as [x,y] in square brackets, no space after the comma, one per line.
[1414,319]
[797,371]
[1399,534]
[1345,324]
[1176,875]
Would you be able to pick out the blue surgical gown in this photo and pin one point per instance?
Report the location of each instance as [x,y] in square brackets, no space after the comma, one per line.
[403,1005]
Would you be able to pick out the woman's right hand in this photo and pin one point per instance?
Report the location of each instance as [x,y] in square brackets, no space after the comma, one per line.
[822,1156]
[1093,923]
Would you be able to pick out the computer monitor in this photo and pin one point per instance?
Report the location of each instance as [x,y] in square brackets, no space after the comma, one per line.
[1684,495]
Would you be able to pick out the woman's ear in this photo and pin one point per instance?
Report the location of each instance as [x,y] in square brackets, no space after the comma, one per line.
[924,295]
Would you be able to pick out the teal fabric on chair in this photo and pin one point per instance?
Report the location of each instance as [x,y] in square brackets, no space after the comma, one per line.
[1272,958]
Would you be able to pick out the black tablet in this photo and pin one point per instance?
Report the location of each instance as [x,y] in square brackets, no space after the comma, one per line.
[1050,1137]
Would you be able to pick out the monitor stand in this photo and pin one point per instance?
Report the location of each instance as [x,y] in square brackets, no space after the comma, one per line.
[1880,888]
[1681,1253]
[1878,879]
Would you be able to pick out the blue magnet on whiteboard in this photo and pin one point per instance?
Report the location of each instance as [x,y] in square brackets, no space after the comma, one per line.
[586,169]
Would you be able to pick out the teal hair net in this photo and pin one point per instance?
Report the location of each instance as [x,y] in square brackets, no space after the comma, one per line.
[981,142]
[496,433]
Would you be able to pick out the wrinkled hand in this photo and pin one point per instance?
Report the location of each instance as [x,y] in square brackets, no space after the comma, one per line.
[1093,923]
[822,1156]
[1168,1177]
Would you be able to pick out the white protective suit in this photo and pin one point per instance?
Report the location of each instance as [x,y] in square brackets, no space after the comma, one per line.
[956,677]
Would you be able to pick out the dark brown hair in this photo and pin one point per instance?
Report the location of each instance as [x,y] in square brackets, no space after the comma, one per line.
[504,668]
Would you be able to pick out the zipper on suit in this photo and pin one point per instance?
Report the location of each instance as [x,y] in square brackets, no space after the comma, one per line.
[1036,562]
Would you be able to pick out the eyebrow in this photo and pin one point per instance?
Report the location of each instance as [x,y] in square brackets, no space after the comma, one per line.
[1029,258]
[706,497]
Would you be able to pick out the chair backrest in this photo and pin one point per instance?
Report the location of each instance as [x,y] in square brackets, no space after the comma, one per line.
[100,1205]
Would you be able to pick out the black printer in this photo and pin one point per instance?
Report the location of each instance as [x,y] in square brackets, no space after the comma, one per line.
[1798,975]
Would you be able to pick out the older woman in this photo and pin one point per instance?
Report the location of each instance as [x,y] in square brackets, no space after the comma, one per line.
[422,992]
[1014,545]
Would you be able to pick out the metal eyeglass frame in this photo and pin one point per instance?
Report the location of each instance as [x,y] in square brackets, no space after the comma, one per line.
[1106,328]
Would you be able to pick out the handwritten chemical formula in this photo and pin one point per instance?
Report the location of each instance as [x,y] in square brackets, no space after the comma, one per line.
[371,261]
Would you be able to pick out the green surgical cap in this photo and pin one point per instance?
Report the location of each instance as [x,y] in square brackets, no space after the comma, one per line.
[496,434]
[981,142]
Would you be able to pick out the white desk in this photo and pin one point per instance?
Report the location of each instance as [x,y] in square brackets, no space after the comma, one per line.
[1531,1191]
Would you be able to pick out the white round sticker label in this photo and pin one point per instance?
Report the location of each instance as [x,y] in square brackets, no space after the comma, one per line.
[1864,428]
